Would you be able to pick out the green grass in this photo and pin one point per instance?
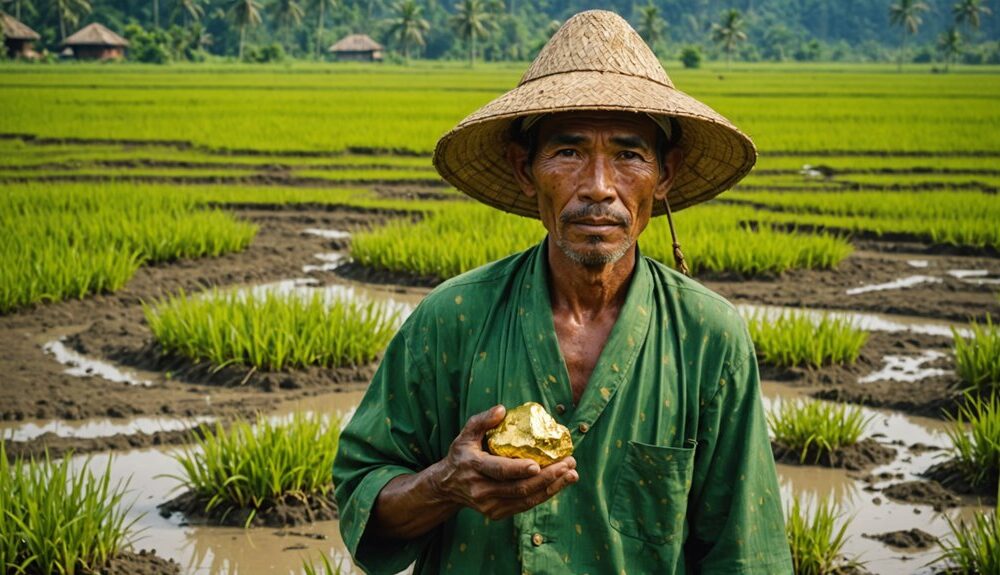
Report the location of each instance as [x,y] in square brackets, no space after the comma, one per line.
[68,241]
[270,331]
[976,545]
[711,236]
[326,567]
[816,542]
[796,339]
[975,437]
[816,428]
[977,357]
[257,466]
[55,520]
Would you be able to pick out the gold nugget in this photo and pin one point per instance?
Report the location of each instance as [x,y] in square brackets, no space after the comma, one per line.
[529,432]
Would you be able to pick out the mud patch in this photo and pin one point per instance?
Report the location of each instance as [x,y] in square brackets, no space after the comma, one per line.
[909,539]
[141,563]
[56,446]
[860,456]
[949,474]
[922,493]
[287,512]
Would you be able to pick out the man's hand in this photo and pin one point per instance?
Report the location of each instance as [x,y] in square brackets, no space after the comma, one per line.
[497,487]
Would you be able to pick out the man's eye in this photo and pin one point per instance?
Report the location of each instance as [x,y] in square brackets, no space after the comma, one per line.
[566,153]
[630,155]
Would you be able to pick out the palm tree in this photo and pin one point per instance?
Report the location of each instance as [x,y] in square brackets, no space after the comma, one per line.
[408,26]
[950,45]
[471,22]
[69,12]
[650,25]
[906,14]
[287,13]
[191,9]
[319,6]
[729,33]
[968,11]
[245,13]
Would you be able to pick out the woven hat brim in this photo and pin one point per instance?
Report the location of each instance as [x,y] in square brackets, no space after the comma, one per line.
[472,156]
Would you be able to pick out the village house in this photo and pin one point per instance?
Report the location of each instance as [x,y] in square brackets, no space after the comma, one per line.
[357,48]
[95,42]
[18,38]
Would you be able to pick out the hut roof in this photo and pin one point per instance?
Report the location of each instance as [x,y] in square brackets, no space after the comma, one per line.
[95,35]
[15,29]
[356,43]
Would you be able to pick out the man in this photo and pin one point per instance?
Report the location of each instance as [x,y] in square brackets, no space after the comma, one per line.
[654,375]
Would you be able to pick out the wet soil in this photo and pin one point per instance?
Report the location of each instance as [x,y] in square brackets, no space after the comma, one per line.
[286,512]
[142,562]
[112,327]
[865,454]
[923,493]
[950,475]
[908,539]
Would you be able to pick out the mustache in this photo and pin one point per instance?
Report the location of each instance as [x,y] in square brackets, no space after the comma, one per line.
[604,211]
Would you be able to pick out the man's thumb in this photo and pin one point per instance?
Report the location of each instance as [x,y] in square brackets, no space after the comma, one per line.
[480,423]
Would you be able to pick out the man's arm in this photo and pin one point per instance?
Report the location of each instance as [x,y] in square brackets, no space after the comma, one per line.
[498,487]
[734,509]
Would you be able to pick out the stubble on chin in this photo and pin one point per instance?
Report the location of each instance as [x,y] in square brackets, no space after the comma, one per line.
[595,257]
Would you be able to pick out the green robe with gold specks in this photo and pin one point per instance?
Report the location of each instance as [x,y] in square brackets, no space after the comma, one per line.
[676,471]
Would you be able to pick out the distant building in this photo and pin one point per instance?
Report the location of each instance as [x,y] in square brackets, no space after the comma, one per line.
[95,42]
[17,38]
[357,48]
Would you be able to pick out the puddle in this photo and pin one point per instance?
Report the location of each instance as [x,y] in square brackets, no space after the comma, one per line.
[82,366]
[342,404]
[332,261]
[963,274]
[873,512]
[866,321]
[402,303]
[907,368]
[917,263]
[92,428]
[898,284]
[328,234]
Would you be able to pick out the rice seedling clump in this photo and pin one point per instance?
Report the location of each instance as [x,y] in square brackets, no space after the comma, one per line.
[56,520]
[977,357]
[975,436]
[271,331]
[796,339]
[247,469]
[975,546]
[816,429]
[817,544]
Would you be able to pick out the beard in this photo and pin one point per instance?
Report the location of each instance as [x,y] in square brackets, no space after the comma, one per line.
[597,257]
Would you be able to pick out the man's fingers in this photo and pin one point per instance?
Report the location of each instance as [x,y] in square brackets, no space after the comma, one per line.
[507,469]
[530,486]
[509,507]
[479,424]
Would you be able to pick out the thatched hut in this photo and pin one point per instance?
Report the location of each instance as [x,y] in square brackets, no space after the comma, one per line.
[357,48]
[18,38]
[95,42]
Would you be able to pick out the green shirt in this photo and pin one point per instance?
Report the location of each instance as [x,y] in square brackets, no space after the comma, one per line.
[675,466]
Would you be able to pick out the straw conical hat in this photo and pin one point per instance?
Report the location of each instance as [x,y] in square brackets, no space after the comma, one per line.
[595,61]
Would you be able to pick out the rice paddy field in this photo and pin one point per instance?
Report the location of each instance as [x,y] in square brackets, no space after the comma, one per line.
[201,266]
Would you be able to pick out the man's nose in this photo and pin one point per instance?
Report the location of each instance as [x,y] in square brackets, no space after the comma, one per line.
[600,180]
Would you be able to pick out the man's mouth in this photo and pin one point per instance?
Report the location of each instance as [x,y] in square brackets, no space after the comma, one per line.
[597,225]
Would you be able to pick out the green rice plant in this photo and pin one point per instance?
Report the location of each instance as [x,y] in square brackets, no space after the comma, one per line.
[975,549]
[817,544]
[56,520]
[271,331]
[816,427]
[975,437]
[326,567]
[257,466]
[796,339]
[977,356]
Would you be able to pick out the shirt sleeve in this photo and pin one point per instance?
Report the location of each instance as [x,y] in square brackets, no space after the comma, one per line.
[736,521]
[390,435]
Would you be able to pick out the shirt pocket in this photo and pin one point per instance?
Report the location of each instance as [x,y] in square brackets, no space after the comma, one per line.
[649,498]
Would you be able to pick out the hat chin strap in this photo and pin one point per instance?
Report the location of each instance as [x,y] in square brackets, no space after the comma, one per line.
[678,254]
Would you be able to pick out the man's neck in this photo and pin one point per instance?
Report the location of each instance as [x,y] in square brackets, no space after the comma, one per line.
[585,291]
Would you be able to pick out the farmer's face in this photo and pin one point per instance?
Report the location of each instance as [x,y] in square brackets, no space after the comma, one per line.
[595,176]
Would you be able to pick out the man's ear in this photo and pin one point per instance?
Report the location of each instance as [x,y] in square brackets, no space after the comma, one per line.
[672,161]
[520,164]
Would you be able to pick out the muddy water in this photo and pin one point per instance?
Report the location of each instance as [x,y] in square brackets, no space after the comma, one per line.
[91,428]
[872,512]
[82,366]
[867,321]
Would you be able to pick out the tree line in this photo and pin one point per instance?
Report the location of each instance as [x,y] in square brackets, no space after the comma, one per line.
[497,30]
